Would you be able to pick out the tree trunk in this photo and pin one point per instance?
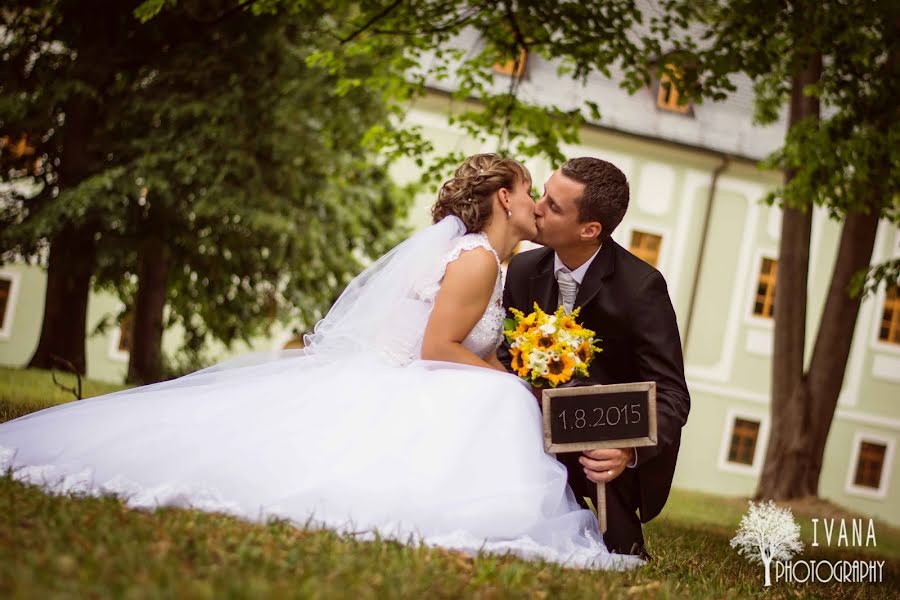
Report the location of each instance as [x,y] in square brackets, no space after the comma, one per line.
[145,358]
[787,459]
[832,347]
[73,249]
[71,264]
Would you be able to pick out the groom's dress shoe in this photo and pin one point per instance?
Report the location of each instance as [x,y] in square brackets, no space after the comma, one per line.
[641,551]
[638,550]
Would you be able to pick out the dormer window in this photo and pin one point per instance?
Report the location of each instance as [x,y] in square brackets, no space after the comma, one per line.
[667,97]
[511,68]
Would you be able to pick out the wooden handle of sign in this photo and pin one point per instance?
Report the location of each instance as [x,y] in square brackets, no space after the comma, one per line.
[601,506]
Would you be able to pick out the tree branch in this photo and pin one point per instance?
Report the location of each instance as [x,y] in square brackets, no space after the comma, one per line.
[76,391]
[224,15]
[372,20]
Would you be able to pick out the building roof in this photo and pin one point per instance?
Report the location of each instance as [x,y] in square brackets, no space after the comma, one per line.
[726,126]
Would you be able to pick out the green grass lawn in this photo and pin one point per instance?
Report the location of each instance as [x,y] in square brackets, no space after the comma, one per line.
[52,546]
[26,390]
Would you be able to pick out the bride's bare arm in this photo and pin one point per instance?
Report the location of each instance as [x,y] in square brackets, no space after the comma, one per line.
[465,292]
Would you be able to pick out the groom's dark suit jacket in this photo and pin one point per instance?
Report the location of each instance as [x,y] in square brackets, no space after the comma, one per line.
[626,302]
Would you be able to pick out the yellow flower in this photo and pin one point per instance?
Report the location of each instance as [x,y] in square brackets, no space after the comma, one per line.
[518,362]
[524,326]
[545,341]
[584,351]
[568,323]
[549,348]
[560,369]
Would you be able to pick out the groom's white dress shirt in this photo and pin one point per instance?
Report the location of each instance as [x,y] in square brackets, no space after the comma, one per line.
[578,275]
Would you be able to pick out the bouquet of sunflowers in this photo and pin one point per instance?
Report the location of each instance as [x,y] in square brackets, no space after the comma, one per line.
[549,349]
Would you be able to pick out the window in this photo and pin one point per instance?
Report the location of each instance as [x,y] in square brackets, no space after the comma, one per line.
[509,67]
[744,435]
[126,330]
[667,96]
[646,246]
[890,316]
[764,304]
[869,465]
[5,286]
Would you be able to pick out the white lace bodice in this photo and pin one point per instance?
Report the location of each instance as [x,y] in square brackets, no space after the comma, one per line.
[488,331]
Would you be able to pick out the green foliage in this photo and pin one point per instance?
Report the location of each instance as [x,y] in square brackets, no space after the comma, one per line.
[701,45]
[845,159]
[261,174]
[867,282]
[460,41]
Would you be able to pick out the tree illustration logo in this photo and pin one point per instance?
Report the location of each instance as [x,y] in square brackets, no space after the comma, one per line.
[767,532]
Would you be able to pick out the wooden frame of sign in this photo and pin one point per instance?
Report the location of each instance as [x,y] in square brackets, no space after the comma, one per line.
[635,421]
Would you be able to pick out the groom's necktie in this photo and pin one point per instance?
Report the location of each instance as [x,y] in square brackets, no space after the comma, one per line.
[568,288]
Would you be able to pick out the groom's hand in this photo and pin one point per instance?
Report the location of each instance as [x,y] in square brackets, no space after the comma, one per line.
[604,465]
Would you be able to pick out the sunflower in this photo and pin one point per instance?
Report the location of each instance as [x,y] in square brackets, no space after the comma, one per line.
[548,348]
[585,351]
[524,326]
[560,369]
[518,361]
[567,323]
[545,341]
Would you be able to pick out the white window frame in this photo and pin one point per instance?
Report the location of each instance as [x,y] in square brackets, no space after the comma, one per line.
[750,318]
[850,487]
[15,279]
[762,440]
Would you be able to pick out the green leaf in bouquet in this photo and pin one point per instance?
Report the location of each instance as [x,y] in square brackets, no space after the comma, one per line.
[509,324]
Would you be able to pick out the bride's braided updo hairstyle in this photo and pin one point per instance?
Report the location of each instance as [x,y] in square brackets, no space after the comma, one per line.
[469,194]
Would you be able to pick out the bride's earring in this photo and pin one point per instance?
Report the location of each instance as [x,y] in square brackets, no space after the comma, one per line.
[508,214]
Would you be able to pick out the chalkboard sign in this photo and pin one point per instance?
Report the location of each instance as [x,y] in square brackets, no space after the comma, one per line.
[599,416]
[621,415]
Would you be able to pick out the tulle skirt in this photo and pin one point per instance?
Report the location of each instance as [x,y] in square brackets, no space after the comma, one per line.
[437,453]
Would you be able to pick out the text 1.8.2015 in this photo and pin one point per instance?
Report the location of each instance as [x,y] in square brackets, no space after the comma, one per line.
[600,416]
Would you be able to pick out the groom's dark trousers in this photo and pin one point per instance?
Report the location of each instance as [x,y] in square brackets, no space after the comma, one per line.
[625,301]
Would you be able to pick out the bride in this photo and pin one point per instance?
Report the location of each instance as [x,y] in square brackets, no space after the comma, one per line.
[396,419]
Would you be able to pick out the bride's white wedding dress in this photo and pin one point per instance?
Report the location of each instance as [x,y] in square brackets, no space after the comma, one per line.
[355,434]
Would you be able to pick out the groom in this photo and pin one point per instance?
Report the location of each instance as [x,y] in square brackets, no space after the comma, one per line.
[625,301]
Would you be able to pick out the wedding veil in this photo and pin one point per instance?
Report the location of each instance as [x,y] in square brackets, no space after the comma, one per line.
[381,312]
